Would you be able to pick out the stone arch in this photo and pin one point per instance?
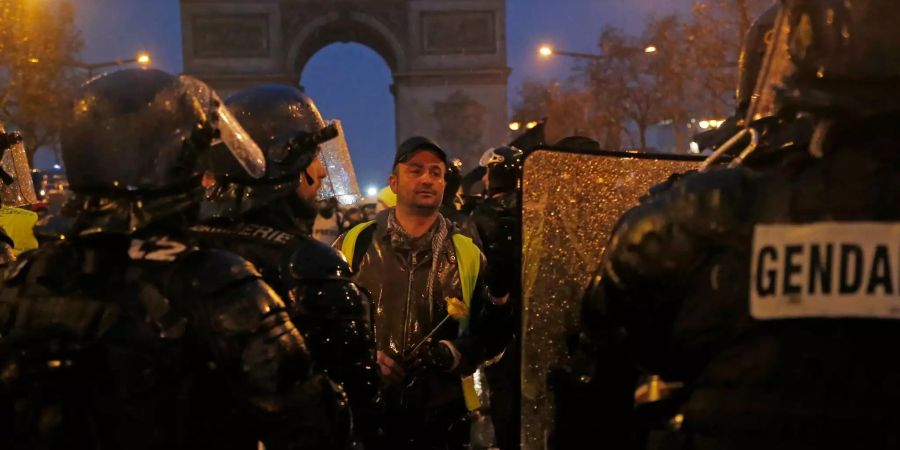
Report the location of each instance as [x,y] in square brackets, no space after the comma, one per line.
[447,57]
[334,27]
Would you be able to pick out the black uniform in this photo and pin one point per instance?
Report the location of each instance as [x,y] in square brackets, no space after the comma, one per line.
[155,343]
[498,219]
[771,294]
[332,311]
[266,221]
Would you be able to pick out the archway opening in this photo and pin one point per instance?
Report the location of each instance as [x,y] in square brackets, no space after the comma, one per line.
[351,82]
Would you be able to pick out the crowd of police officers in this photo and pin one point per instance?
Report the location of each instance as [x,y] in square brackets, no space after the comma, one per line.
[178,301]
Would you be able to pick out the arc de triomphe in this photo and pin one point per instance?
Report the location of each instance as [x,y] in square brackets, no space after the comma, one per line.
[448,57]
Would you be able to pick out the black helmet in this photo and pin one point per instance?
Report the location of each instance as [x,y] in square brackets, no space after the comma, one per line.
[137,139]
[140,131]
[834,57]
[452,181]
[288,128]
[504,169]
[757,41]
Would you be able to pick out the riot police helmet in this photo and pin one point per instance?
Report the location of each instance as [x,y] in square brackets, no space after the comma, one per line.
[136,146]
[756,42]
[288,128]
[452,181]
[832,58]
[504,169]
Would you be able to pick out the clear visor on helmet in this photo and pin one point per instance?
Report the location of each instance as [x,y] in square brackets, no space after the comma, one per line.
[21,189]
[231,133]
[776,67]
[490,157]
[340,178]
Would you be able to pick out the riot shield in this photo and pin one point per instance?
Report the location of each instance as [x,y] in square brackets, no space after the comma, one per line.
[340,181]
[570,200]
[20,190]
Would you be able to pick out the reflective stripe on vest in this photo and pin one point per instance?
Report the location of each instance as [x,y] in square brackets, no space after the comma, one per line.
[348,247]
[19,226]
[468,263]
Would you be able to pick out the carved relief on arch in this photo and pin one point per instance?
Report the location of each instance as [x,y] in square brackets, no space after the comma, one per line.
[460,121]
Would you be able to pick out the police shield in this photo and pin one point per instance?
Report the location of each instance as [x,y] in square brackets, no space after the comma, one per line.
[571,199]
[340,180]
[18,188]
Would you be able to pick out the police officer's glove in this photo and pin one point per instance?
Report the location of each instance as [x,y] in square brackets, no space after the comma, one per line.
[431,356]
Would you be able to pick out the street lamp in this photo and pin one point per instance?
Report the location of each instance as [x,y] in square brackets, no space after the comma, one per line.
[547,51]
[142,58]
[514,126]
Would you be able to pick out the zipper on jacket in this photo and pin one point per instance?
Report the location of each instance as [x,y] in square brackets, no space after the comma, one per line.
[406,311]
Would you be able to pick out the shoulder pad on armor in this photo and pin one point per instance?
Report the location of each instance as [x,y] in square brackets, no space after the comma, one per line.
[213,270]
[314,260]
[712,202]
[244,305]
[667,234]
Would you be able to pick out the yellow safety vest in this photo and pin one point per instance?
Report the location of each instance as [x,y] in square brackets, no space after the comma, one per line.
[19,226]
[468,262]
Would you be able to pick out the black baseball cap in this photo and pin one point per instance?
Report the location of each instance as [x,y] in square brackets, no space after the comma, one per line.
[409,146]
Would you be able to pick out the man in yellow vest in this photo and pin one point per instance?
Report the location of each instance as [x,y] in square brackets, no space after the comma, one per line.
[16,189]
[438,312]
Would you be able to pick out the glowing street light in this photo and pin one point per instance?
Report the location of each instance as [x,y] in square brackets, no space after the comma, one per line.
[372,191]
[546,51]
[531,125]
[514,126]
[143,59]
[650,49]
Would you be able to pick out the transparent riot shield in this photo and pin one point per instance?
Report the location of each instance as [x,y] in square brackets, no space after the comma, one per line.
[20,189]
[570,201]
[340,181]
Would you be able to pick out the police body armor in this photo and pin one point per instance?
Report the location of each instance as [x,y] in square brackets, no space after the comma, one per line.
[153,343]
[263,219]
[331,310]
[757,291]
[772,294]
[498,221]
[123,333]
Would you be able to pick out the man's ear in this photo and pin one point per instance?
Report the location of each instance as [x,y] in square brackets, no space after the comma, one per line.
[392,182]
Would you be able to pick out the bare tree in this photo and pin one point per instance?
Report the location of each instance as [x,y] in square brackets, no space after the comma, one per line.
[570,109]
[692,74]
[38,42]
[715,32]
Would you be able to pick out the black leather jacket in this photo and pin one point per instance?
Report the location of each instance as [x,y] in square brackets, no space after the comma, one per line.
[404,313]
[149,341]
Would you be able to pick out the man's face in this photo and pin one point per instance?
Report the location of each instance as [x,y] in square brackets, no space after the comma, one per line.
[306,190]
[419,182]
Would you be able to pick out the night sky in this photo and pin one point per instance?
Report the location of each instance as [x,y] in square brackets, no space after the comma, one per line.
[350,81]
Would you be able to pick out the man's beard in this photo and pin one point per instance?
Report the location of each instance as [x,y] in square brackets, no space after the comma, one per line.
[425,208]
[304,210]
